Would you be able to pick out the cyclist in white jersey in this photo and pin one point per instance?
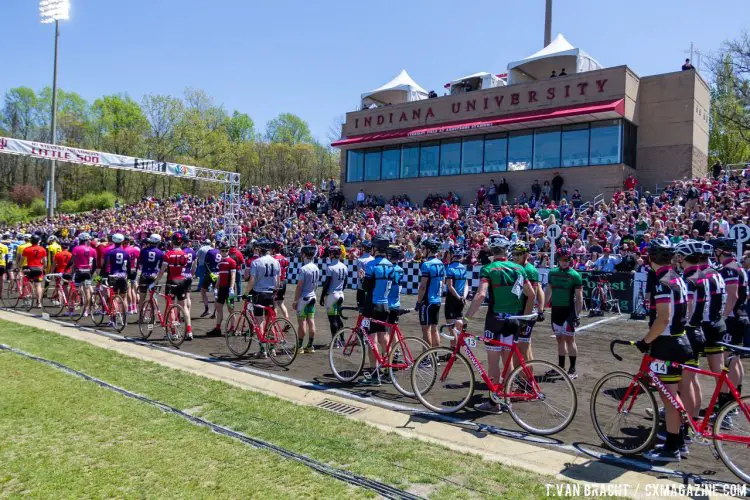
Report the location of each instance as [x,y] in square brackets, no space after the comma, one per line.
[263,281]
[304,298]
[333,289]
[361,265]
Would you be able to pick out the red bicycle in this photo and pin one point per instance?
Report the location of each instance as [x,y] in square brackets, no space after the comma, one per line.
[62,296]
[625,415]
[538,394]
[278,334]
[172,320]
[346,354]
[105,303]
[20,293]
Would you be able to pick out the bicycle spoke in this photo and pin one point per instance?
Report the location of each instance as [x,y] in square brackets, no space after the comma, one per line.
[733,422]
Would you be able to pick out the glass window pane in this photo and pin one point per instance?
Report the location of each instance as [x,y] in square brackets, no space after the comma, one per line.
[520,145]
[450,157]
[496,153]
[372,165]
[354,166]
[429,154]
[575,145]
[605,142]
[547,147]
[409,161]
[391,163]
[472,156]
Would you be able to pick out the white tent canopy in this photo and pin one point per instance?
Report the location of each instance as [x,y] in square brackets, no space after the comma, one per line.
[557,55]
[400,89]
[481,80]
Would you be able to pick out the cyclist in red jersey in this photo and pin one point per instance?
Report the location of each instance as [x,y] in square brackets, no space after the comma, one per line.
[224,287]
[62,259]
[278,249]
[36,260]
[236,255]
[174,264]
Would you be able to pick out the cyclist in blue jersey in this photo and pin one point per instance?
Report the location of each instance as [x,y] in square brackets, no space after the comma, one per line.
[430,292]
[456,288]
[377,286]
[396,256]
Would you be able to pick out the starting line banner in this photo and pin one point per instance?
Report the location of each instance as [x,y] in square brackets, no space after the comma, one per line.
[92,158]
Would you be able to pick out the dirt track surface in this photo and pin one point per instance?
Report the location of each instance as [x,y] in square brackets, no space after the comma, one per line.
[594,360]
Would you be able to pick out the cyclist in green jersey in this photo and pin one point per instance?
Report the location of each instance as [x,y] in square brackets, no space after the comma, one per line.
[520,251]
[565,290]
[506,284]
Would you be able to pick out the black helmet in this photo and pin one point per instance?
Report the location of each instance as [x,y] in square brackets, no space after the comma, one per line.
[177,238]
[430,244]
[223,245]
[34,239]
[458,252]
[725,244]
[381,242]
[334,251]
[309,250]
[65,244]
[563,253]
[278,246]
[263,243]
[660,250]
[395,254]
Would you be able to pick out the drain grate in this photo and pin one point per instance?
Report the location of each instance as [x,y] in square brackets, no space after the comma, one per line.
[337,407]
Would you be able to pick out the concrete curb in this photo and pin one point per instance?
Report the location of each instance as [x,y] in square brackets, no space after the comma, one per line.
[563,466]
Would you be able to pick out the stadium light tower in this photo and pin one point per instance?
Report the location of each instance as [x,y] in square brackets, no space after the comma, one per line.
[548,23]
[54,11]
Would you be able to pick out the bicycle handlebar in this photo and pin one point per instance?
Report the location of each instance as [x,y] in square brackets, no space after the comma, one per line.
[48,277]
[619,342]
[445,335]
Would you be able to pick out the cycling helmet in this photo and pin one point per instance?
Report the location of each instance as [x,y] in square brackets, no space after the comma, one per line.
[27,236]
[458,252]
[309,250]
[207,241]
[431,244]
[84,237]
[381,243]
[519,246]
[185,238]
[690,247]
[154,239]
[498,241]
[223,245]
[724,244]
[277,246]
[334,251]
[177,238]
[6,236]
[366,244]
[34,239]
[65,243]
[660,250]
[127,237]
[563,253]
[395,254]
[264,243]
[51,238]
[117,238]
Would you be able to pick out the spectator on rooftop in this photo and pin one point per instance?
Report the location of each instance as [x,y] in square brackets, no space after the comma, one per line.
[492,192]
[546,189]
[716,169]
[502,191]
[563,73]
[536,189]
[557,184]
[687,66]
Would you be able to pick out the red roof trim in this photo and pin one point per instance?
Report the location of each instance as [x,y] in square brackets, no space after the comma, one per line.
[618,106]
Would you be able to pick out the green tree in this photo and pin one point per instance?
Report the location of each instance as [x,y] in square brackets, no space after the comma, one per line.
[240,128]
[289,129]
[19,118]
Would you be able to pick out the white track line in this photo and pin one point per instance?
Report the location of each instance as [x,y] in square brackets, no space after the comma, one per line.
[591,325]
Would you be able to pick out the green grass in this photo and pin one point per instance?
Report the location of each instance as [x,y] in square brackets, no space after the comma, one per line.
[69,437]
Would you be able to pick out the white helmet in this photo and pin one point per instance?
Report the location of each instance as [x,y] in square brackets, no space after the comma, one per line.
[154,239]
[497,240]
[693,247]
[84,237]
[52,238]
[118,238]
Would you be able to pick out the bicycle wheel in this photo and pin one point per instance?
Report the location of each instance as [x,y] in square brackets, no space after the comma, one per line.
[53,300]
[401,361]
[631,430]
[174,325]
[27,297]
[596,301]
[346,355]
[147,319]
[545,400]
[98,309]
[737,427]
[118,316]
[238,333]
[12,294]
[74,306]
[282,338]
[442,387]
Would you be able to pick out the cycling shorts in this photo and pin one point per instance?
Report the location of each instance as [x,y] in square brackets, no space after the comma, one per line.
[428,314]
[132,275]
[736,330]
[675,348]
[145,281]
[119,284]
[697,343]
[36,274]
[713,333]
[260,300]
[208,280]
[2,270]
[178,288]
[333,303]
[378,312]
[454,308]
[280,293]
[306,307]
[563,320]
[222,294]
[82,277]
[524,335]
[503,330]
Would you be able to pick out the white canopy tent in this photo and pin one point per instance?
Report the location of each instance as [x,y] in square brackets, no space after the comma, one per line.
[557,55]
[400,89]
[477,81]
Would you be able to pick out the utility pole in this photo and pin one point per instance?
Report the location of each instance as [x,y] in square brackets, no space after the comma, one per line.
[697,53]
[51,207]
[548,23]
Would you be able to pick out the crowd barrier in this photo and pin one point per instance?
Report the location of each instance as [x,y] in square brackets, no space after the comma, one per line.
[624,286]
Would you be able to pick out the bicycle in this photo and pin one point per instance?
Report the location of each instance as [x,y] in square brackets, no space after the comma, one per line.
[640,307]
[62,296]
[172,320]
[278,334]
[533,381]
[602,299]
[20,293]
[346,353]
[635,418]
[106,303]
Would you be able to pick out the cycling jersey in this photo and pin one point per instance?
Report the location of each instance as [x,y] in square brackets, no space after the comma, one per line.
[434,271]
[83,258]
[650,290]
[717,295]
[201,256]
[733,274]
[102,251]
[698,293]
[175,260]
[378,276]
[33,256]
[225,267]
[117,262]
[337,274]
[361,266]
[671,289]
[212,259]
[563,284]
[150,261]
[264,271]
[309,275]
[134,253]
[394,295]
[19,252]
[62,259]
[284,264]
[3,254]
[189,259]
[457,272]
[505,280]
[52,250]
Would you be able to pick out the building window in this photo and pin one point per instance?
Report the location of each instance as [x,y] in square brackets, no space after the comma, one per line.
[496,153]
[391,163]
[605,142]
[429,158]
[575,145]
[547,147]
[520,148]
[410,161]
[629,144]
[372,165]
[472,156]
[450,157]
[355,166]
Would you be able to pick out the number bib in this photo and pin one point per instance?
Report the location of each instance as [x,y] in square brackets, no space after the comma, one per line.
[659,367]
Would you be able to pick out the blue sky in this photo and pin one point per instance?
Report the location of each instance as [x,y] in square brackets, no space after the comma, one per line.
[314,58]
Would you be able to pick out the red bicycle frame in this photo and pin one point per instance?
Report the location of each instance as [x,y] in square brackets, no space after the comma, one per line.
[168,301]
[393,329]
[269,317]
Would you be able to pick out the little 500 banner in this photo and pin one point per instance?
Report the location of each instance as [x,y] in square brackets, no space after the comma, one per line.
[94,158]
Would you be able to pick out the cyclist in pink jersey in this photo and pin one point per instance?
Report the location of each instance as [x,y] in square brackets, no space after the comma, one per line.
[83,264]
[133,252]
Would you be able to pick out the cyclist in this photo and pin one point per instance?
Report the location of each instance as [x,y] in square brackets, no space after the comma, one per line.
[12,252]
[456,289]
[377,283]
[4,261]
[52,248]
[429,294]
[278,249]
[236,255]
[505,282]
[304,297]
[19,251]
[174,264]
[35,259]
[211,264]
[150,262]
[396,256]
[735,315]
[264,281]
[666,340]
[227,270]
[520,252]
[102,251]
[187,272]
[117,263]
[200,259]
[333,289]
[361,265]
[82,266]
[134,252]
[565,290]
[62,260]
